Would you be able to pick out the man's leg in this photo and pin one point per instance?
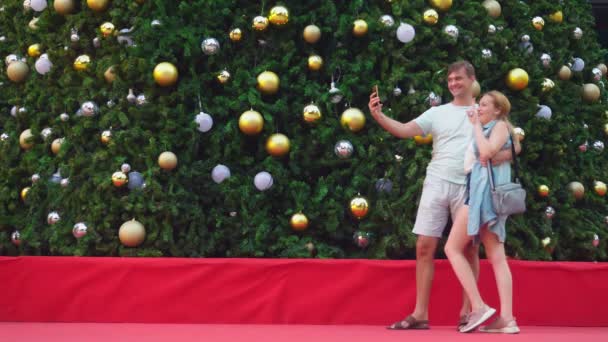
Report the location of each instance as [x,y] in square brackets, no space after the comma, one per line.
[425,269]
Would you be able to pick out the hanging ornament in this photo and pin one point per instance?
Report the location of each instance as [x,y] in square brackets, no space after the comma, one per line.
[82,62]
[577,189]
[519,133]
[546,242]
[597,74]
[599,188]
[547,85]
[343,149]
[596,240]
[259,23]
[353,119]
[517,79]
[107,29]
[56,145]
[53,217]
[65,182]
[106,137]
[543,190]
[125,168]
[46,133]
[220,173]
[491,29]
[405,33]
[578,64]
[361,239]
[24,192]
[17,71]
[298,222]
[35,178]
[131,98]
[384,185]
[493,8]
[564,73]
[74,37]
[98,5]
[119,179]
[56,177]
[80,230]
[591,92]
[89,108]
[387,20]
[315,62]
[136,181]
[4,137]
[236,35]
[545,58]
[12,58]
[433,99]
[167,160]
[583,147]
[556,17]
[64,7]
[549,212]
[165,74]
[538,23]
[359,207]
[577,33]
[442,5]
[26,139]
[263,181]
[124,37]
[268,82]
[476,89]
[204,122]
[34,50]
[16,238]
[277,145]
[109,75]
[33,24]
[423,139]
[544,112]
[603,68]
[430,16]
[210,46]
[397,91]
[132,233]
[359,27]
[223,77]
[598,146]
[278,16]
[311,114]
[43,65]
[486,53]
[311,34]
[335,95]
[251,122]
[451,31]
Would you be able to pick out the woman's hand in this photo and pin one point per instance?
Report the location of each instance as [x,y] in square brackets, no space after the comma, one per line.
[375,106]
[473,114]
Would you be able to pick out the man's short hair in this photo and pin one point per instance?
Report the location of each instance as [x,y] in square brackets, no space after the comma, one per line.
[466,65]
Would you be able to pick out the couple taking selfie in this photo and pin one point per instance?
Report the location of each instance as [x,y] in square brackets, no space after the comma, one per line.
[469,141]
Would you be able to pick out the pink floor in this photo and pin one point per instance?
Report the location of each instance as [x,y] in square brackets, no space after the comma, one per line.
[92,332]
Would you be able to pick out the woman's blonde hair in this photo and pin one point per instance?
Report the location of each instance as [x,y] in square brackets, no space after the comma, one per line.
[504,106]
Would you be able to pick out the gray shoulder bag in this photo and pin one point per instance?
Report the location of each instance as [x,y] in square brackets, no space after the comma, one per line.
[508,198]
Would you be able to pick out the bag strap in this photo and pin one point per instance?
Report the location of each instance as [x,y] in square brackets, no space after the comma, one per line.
[491,171]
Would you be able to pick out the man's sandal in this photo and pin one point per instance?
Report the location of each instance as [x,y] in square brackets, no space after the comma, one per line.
[410,323]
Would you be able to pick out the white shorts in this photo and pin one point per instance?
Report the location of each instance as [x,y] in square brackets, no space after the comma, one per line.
[439,199]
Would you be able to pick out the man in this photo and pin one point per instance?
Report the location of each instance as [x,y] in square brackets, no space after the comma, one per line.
[444,189]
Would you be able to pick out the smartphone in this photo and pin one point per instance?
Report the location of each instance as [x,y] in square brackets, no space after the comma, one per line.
[376,89]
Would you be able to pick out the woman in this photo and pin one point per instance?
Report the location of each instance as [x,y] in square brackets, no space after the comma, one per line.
[477,220]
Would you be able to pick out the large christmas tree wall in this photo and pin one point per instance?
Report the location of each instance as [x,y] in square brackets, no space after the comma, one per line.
[240,128]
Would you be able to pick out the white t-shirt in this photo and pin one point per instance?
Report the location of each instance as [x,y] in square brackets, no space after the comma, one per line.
[452,132]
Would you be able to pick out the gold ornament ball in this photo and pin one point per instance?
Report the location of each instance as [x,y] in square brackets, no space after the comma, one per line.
[24,193]
[17,71]
[82,63]
[165,74]
[591,92]
[223,77]
[260,23]
[106,137]
[517,79]
[236,35]
[268,82]
[251,122]
[106,29]
[547,85]
[34,50]
[132,233]
[543,190]
[25,139]
[538,23]
[493,8]
[64,7]
[119,179]
[311,114]
[519,133]
[603,68]
[110,74]
[600,188]
[557,17]
[353,119]
[277,145]
[476,89]
[98,5]
[423,139]
[279,15]
[315,62]
[359,27]
[442,5]
[577,189]
[298,222]
[167,160]
[430,16]
[56,145]
[311,34]
[359,207]
[606,128]
[564,73]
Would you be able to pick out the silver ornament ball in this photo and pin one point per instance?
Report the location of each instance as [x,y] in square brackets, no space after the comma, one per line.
[210,46]
[343,149]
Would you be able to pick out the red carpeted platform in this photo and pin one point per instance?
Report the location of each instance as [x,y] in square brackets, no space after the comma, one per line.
[271,291]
